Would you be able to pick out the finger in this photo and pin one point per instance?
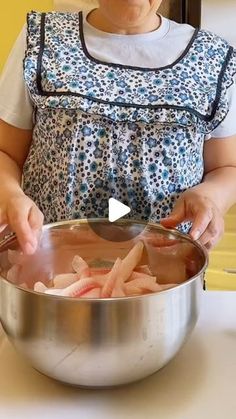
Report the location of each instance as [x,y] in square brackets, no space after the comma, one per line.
[18,219]
[35,218]
[3,227]
[216,233]
[211,243]
[36,222]
[200,223]
[210,233]
[3,220]
[176,217]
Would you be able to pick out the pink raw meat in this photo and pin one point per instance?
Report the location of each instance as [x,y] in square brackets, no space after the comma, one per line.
[64,280]
[127,266]
[131,261]
[81,267]
[131,290]
[138,275]
[118,292]
[40,287]
[94,293]
[111,279]
[53,291]
[80,287]
[125,278]
[145,284]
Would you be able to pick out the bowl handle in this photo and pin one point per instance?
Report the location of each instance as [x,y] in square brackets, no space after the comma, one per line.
[6,240]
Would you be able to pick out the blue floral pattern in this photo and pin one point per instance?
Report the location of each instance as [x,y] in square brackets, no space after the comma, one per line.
[106,130]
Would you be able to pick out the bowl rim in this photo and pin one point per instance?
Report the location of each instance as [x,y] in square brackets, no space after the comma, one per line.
[12,236]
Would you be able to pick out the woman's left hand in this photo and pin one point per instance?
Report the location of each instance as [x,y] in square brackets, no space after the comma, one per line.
[207,220]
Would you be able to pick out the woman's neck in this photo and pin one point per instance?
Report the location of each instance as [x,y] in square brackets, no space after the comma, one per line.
[97,19]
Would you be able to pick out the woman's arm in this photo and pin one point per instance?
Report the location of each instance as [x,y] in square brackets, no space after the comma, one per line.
[14,147]
[220,171]
[16,210]
[206,204]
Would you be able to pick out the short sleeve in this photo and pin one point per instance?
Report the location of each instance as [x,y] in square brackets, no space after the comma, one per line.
[16,107]
[227,127]
[223,123]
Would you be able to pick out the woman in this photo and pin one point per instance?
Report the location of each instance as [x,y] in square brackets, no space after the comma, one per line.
[127,104]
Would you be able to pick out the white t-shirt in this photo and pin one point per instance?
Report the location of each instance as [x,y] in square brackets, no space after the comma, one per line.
[154,49]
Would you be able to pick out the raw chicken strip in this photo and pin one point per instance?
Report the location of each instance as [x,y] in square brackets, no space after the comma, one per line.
[79,288]
[64,280]
[118,292]
[111,279]
[94,293]
[131,261]
[81,267]
[145,284]
[40,287]
[138,275]
[131,290]
[125,278]
[53,291]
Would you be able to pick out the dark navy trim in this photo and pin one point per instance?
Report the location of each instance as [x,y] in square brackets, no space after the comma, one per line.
[116,65]
[220,79]
[27,40]
[40,56]
[206,118]
[219,85]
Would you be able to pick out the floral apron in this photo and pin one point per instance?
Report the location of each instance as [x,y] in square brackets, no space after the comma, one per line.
[106,130]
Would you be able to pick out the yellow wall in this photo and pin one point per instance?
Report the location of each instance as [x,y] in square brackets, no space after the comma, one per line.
[12,18]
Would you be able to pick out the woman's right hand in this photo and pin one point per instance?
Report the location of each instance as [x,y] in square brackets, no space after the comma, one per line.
[23,217]
[18,213]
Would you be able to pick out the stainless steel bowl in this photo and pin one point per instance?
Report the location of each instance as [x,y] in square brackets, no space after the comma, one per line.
[108,342]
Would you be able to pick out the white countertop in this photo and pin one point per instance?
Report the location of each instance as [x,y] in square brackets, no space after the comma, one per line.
[200,383]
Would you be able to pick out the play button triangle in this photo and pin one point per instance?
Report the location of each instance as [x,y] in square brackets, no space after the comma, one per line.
[117,210]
